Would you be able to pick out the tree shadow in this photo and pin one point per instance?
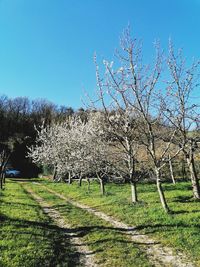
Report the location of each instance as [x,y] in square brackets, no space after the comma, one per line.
[62,253]
[184,212]
[21,179]
[17,204]
[60,238]
[154,228]
[168,186]
[184,199]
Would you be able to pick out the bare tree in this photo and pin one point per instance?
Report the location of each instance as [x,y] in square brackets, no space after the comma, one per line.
[120,127]
[182,110]
[135,86]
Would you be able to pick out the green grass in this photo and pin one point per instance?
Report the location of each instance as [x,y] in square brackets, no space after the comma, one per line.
[23,225]
[28,237]
[111,246]
[179,230]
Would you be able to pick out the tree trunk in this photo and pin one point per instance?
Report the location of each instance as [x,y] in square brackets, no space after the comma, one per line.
[69,178]
[1,177]
[102,186]
[54,174]
[193,177]
[4,161]
[80,180]
[88,187]
[134,197]
[131,164]
[4,178]
[171,170]
[59,178]
[160,191]
[183,170]
[1,181]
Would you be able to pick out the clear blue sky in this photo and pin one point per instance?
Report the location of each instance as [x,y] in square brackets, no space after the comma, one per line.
[47,46]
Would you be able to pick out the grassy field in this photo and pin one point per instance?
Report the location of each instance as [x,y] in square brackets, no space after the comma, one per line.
[28,237]
[179,230]
[24,226]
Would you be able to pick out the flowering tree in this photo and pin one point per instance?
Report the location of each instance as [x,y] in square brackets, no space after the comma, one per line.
[76,147]
[92,149]
[55,145]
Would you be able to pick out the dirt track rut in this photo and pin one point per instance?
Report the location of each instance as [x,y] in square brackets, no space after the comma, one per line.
[158,254]
[86,256]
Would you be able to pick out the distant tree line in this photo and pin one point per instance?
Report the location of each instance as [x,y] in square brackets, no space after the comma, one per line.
[19,118]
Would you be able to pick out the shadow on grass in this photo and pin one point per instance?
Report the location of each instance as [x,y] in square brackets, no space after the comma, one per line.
[176,212]
[19,179]
[185,199]
[60,238]
[55,240]
[177,186]
[17,204]
[155,228]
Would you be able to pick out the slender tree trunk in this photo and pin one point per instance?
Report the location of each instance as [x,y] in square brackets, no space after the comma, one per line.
[88,185]
[102,186]
[4,178]
[4,161]
[54,174]
[193,177]
[69,178]
[80,180]
[1,176]
[58,178]
[1,182]
[134,197]
[160,191]
[131,164]
[171,170]
[183,170]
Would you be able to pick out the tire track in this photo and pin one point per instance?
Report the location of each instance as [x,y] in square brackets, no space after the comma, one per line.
[158,254]
[86,257]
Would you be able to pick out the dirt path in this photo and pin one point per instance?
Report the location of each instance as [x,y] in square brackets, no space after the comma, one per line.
[86,257]
[158,254]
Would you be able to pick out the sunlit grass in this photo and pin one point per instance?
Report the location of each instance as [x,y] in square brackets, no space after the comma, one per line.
[179,230]
[28,238]
[110,245]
